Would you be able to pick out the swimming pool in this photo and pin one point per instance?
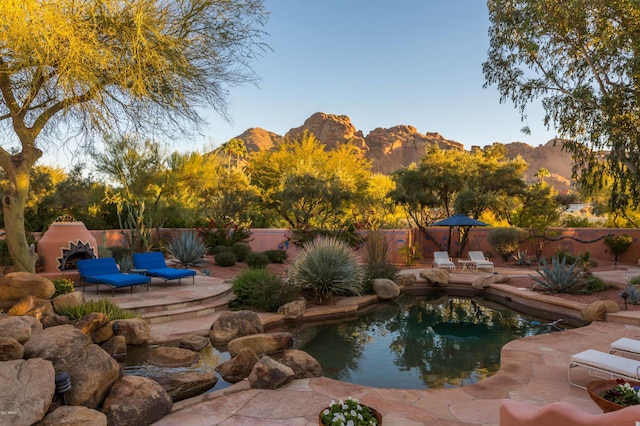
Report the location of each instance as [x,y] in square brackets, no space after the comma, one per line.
[418,342]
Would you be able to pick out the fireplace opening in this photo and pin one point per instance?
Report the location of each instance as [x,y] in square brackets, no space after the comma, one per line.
[75,252]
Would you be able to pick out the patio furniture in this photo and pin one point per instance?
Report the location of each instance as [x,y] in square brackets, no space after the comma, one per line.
[625,346]
[522,413]
[611,365]
[442,260]
[478,261]
[154,265]
[105,271]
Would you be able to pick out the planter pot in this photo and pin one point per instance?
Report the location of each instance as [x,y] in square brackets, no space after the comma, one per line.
[597,387]
[376,413]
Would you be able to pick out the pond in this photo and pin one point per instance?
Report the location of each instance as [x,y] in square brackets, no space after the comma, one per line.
[415,342]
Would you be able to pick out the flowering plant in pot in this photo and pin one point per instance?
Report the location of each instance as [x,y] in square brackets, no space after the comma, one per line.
[349,413]
[623,393]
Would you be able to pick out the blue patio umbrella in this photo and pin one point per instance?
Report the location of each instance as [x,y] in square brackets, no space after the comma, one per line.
[458,220]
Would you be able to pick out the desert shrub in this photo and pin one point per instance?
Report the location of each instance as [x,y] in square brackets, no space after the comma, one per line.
[189,249]
[618,244]
[220,249]
[595,284]
[276,256]
[410,253]
[263,290]
[241,250]
[521,258]
[63,286]
[377,248]
[105,306]
[117,252]
[257,260]
[634,280]
[224,236]
[327,267]
[225,259]
[558,277]
[506,240]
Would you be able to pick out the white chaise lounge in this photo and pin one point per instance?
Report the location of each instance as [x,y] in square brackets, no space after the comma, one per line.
[442,260]
[478,261]
[625,346]
[612,365]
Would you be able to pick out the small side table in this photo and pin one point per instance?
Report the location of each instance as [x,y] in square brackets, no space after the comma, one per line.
[465,265]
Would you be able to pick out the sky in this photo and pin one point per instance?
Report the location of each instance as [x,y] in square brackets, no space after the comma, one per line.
[382,63]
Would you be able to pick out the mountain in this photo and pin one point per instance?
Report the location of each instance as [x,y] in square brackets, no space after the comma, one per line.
[398,146]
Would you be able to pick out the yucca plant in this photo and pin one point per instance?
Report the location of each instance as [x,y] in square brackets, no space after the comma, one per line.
[521,258]
[188,249]
[559,278]
[326,267]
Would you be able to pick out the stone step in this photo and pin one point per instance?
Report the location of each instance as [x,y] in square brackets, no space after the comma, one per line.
[196,310]
[145,308]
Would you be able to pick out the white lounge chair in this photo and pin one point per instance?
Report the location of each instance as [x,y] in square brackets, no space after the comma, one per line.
[478,261]
[625,346]
[612,365]
[442,260]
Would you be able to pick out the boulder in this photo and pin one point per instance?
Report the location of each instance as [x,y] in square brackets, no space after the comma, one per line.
[91,322]
[194,342]
[485,280]
[166,356]
[116,346]
[135,330]
[135,401]
[404,280]
[71,351]
[52,319]
[10,349]
[31,306]
[385,289]
[239,367]
[17,285]
[186,384]
[103,333]
[261,344]
[27,390]
[436,277]
[19,328]
[270,374]
[74,416]
[69,299]
[231,325]
[303,365]
[293,310]
[597,311]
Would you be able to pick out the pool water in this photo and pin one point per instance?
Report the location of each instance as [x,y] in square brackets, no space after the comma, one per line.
[418,342]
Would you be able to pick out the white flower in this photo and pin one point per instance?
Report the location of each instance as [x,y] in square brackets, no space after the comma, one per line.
[351,423]
[326,412]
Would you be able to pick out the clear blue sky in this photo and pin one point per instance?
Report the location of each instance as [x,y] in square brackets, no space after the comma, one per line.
[382,63]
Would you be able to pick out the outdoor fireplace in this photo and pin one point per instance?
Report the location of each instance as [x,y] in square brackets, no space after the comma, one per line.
[64,244]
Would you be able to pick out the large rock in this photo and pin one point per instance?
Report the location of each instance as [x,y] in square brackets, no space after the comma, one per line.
[436,277]
[27,390]
[19,328]
[486,280]
[52,319]
[91,322]
[68,299]
[116,346]
[74,416]
[71,351]
[186,384]
[597,311]
[135,330]
[262,344]
[231,325]
[385,289]
[293,310]
[239,367]
[194,342]
[136,401]
[270,374]
[18,285]
[10,349]
[404,280]
[303,365]
[166,356]
[104,333]
[32,306]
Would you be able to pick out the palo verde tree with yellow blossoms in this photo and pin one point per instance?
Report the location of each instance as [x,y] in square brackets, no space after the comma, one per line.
[84,67]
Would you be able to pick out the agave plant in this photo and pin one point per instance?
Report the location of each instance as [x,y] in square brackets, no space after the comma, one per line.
[327,267]
[188,249]
[521,258]
[559,278]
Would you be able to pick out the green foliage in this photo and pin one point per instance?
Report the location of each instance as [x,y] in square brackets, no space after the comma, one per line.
[618,244]
[225,259]
[134,227]
[595,284]
[633,291]
[634,280]
[276,255]
[125,263]
[558,277]
[105,306]
[410,253]
[63,286]
[263,290]
[376,247]
[189,249]
[521,258]
[241,250]
[5,257]
[257,260]
[220,249]
[327,267]
[217,236]
[506,240]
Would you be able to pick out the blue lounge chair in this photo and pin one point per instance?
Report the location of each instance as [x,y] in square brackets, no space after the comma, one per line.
[105,271]
[153,264]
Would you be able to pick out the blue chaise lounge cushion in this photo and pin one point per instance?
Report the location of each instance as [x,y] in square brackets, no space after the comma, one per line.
[155,266]
[105,271]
